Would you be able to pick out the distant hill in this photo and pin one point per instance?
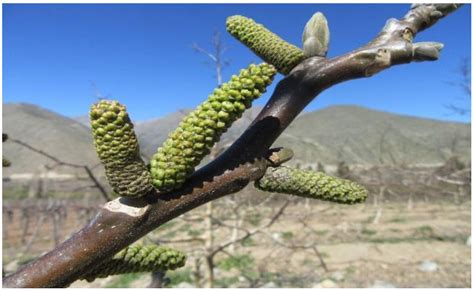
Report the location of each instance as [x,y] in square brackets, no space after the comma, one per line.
[359,135]
[63,137]
[352,134]
[83,119]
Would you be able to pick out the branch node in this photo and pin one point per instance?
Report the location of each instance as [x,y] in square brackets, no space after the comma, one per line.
[381,60]
[407,34]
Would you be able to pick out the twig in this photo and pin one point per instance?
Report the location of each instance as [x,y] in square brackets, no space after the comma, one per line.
[254,231]
[35,232]
[86,168]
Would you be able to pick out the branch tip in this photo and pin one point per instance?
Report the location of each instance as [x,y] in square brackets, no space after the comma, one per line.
[426,51]
[316,36]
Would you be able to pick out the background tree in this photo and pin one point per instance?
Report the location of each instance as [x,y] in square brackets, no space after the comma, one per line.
[463,105]
[219,64]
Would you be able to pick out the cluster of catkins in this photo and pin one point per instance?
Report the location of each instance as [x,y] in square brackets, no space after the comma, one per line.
[175,161]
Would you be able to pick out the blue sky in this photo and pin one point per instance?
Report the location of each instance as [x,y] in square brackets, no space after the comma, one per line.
[141,55]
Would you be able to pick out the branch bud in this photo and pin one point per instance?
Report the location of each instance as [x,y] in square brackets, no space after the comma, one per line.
[316,36]
[426,51]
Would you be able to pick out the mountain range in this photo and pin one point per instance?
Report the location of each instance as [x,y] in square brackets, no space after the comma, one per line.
[352,134]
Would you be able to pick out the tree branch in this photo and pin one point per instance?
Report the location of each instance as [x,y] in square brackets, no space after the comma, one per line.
[249,233]
[86,168]
[123,221]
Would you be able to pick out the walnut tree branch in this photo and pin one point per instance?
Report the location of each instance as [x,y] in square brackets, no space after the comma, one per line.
[123,221]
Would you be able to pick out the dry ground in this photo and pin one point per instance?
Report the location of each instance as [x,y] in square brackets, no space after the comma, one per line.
[362,246]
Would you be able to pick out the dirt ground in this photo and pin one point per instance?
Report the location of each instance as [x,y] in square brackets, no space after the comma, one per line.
[389,245]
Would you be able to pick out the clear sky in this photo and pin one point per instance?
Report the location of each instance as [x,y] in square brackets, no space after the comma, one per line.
[141,55]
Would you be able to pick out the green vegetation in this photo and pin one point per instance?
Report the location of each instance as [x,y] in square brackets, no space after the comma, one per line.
[424,230]
[255,218]
[15,194]
[123,281]
[368,232]
[239,262]
[324,255]
[226,282]
[179,276]
[307,262]
[244,264]
[195,232]
[398,220]
[322,232]
[248,242]
[287,235]
[168,225]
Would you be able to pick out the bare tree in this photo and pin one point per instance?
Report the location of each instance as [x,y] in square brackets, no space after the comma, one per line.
[463,106]
[122,221]
[207,252]
[216,57]
[97,93]
[87,169]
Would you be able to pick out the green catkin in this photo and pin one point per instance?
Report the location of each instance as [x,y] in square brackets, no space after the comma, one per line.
[310,184]
[184,149]
[267,45]
[134,259]
[117,147]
